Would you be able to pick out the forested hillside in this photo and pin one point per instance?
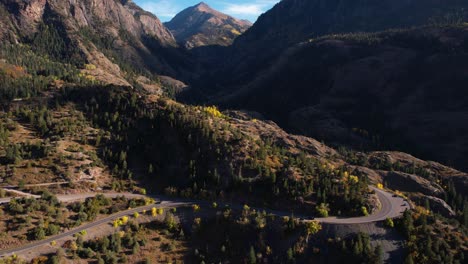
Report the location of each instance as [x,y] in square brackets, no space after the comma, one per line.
[305,66]
[90,129]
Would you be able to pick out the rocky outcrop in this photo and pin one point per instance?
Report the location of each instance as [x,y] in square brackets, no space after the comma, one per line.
[200,25]
[405,160]
[172,83]
[410,183]
[29,13]
[437,205]
[255,126]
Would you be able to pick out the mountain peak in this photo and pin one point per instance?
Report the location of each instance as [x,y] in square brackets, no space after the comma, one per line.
[201,25]
[205,8]
[202,5]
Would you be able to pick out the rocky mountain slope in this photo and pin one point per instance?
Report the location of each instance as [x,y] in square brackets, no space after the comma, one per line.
[80,103]
[360,90]
[396,89]
[200,25]
[293,21]
[114,36]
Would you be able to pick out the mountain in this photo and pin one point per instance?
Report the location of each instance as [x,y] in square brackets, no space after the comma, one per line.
[293,21]
[85,111]
[200,25]
[398,89]
[330,86]
[117,37]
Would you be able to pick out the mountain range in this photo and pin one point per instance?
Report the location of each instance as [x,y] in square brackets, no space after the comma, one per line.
[255,72]
[337,109]
[397,69]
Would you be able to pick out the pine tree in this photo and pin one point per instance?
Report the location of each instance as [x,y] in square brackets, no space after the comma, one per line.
[136,248]
[378,252]
[409,259]
[252,256]
[465,213]
[290,255]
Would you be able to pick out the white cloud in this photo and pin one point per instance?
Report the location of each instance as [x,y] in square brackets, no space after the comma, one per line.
[249,9]
[246,9]
[162,8]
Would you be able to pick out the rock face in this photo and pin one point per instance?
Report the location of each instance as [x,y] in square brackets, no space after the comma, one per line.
[411,183]
[201,25]
[437,205]
[88,13]
[253,125]
[118,30]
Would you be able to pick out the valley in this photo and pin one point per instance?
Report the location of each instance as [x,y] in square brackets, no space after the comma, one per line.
[323,132]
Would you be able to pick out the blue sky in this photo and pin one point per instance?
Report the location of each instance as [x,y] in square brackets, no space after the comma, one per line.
[243,9]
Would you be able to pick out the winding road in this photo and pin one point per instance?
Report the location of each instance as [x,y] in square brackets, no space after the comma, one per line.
[68,198]
[391,206]
[99,222]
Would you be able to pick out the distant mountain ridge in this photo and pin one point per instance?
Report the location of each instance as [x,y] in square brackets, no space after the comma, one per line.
[293,21]
[201,25]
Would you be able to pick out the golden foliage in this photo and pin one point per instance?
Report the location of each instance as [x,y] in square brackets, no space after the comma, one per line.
[313,227]
[213,110]
[364,211]
[353,179]
[323,210]
[90,67]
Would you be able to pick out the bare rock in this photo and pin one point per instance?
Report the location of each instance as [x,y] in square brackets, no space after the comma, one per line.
[410,183]
[437,205]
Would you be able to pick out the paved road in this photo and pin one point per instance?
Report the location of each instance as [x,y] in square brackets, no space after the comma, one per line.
[46,184]
[67,198]
[99,222]
[391,207]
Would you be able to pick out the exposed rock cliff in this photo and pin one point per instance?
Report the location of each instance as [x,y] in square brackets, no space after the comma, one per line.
[106,32]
